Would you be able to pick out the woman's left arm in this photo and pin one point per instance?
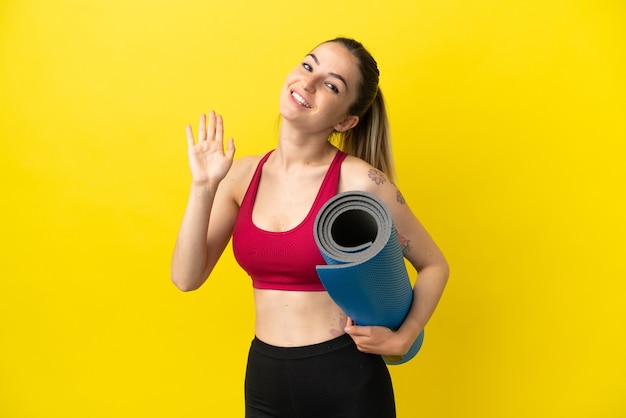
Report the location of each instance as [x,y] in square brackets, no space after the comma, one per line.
[433,271]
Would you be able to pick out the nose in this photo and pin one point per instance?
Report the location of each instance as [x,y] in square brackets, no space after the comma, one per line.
[308,84]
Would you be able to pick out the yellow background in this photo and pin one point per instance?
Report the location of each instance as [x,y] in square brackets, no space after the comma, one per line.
[509,122]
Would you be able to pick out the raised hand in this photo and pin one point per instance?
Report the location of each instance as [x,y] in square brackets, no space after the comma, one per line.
[208,162]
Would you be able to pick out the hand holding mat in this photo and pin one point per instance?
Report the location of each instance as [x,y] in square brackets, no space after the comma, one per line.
[365,272]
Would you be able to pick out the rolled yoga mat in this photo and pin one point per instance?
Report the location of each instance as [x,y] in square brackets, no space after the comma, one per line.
[365,272]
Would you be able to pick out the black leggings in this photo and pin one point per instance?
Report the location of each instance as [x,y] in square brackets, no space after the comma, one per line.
[327,380]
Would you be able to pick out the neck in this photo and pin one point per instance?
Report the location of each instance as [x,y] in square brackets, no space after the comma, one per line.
[302,148]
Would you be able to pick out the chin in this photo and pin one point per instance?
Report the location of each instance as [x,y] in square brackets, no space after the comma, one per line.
[287,109]
[284,112]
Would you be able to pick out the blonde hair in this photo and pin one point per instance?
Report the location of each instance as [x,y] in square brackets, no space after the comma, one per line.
[370,139]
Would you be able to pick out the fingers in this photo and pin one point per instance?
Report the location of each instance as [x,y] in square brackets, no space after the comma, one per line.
[355,330]
[358,334]
[219,128]
[202,128]
[378,340]
[230,148]
[210,129]
[190,140]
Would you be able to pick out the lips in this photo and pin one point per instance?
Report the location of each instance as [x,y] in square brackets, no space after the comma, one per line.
[300,100]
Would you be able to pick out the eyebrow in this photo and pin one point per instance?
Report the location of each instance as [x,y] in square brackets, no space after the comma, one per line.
[338,76]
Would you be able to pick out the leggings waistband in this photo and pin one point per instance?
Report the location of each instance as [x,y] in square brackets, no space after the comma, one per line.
[294,353]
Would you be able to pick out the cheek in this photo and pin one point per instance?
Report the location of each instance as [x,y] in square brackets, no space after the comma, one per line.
[342,107]
[291,76]
[289,80]
[285,95]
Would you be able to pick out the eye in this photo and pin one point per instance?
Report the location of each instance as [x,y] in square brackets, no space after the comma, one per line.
[332,87]
[307,67]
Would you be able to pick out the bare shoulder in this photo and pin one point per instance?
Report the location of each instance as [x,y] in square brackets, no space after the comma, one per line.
[238,178]
[357,174]
[244,165]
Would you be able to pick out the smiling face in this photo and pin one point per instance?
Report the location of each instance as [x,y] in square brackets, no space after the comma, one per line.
[319,91]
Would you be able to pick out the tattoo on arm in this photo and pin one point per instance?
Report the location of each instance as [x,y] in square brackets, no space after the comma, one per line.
[376,176]
[405,244]
[379,178]
[400,198]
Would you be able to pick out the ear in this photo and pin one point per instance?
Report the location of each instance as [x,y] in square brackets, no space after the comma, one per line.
[348,123]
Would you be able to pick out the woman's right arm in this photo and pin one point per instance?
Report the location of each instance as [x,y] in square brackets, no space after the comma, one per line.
[211,211]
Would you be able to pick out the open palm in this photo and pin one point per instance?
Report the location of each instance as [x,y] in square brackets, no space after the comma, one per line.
[208,161]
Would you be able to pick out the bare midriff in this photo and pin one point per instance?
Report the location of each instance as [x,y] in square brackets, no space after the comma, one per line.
[295,318]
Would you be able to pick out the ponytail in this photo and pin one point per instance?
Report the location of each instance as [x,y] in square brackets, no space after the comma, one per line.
[370,139]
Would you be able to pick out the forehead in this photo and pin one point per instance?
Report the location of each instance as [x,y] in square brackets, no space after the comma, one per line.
[334,57]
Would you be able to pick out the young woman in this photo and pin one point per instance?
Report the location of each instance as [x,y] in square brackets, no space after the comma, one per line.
[307,359]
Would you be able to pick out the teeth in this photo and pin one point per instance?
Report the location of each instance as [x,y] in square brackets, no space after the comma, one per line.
[300,99]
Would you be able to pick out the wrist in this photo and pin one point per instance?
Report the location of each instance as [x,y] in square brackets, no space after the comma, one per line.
[201,189]
[409,331]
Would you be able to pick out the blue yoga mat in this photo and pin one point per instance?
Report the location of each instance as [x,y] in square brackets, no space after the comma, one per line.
[365,272]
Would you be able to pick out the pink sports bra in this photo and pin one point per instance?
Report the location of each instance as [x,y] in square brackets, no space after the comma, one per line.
[282,260]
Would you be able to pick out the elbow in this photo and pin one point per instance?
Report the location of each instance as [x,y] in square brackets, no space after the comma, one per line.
[440,271]
[185,284]
[185,287]
[445,272]
[446,269]
[187,280]
[188,276]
